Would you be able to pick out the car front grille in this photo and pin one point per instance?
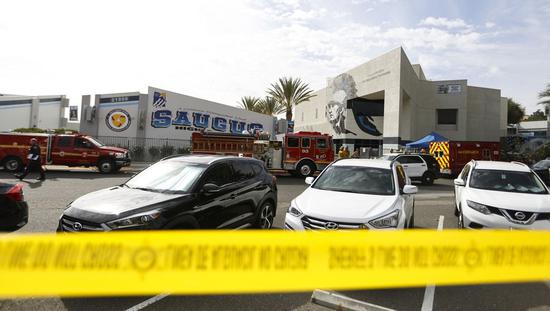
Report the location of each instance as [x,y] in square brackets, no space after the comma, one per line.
[311,223]
[70,224]
[519,217]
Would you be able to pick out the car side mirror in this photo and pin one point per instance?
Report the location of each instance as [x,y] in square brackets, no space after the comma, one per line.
[459,182]
[210,188]
[310,180]
[410,189]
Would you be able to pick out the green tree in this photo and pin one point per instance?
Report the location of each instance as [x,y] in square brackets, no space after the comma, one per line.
[290,92]
[268,105]
[538,115]
[250,103]
[515,112]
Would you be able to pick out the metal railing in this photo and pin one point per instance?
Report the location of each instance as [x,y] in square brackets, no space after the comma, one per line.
[148,149]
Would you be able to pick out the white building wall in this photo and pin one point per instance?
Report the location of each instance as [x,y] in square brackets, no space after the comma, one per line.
[48,116]
[410,104]
[14,116]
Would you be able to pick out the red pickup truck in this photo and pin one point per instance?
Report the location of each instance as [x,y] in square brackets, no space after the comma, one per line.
[61,149]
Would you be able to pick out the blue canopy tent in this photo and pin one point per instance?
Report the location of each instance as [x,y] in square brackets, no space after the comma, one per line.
[425,141]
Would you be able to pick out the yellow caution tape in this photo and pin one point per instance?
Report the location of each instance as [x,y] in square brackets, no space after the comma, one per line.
[212,262]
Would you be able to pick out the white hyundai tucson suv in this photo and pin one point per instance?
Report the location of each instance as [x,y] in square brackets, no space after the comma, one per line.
[505,195]
[355,194]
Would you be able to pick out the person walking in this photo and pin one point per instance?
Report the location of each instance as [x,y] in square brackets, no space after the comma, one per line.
[355,154]
[34,162]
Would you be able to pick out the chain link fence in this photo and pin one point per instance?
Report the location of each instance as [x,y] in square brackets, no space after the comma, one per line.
[148,149]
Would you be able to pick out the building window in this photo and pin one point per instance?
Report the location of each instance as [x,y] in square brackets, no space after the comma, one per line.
[447,116]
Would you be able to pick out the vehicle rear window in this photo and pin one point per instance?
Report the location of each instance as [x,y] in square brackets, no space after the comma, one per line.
[65,141]
[243,170]
[506,181]
[258,169]
[409,159]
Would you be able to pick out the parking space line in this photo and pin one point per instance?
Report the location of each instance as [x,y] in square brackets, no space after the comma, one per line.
[148,302]
[428,302]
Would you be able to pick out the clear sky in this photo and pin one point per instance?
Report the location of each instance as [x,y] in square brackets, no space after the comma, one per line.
[222,50]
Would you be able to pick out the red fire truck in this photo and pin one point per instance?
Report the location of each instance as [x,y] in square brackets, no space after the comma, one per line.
[301,153]
[453,155]
[61,149]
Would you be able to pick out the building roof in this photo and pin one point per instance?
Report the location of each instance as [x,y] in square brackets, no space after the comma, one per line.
[533,125]
[378,163]
[504,166]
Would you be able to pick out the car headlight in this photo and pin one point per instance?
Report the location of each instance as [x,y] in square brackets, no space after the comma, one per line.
[387,221]
[478,207]
[134,220]
[294,211]
[119,155]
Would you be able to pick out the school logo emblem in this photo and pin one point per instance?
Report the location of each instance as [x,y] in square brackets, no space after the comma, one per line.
[118,120]
[159,100]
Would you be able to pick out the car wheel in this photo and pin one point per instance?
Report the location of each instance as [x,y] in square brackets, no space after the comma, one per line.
[460,220]
[266,216]
[13,164]
[305,169]
[105,166]
[428,178]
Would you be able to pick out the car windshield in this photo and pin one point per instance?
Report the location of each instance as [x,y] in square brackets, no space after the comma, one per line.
[95,141]
[388,157]
[542,165]
[167,176]
[356,179]
[507,181]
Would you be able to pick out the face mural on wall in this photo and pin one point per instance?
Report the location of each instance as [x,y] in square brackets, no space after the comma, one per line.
[343,88]
[344,96]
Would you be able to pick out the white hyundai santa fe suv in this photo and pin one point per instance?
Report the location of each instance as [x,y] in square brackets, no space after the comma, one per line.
[355,194]
[505,195]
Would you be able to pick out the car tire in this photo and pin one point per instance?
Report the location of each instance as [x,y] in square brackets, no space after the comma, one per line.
[305,169]
[411,222]
[12,164]
[266,216]
[460,220]
[428,178]
[106,166]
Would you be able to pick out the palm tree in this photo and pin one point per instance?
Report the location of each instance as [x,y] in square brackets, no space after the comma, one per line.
[289,92]
[545,95]
[270,106]
[250,103]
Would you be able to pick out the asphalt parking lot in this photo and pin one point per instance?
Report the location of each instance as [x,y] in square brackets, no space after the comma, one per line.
[434,206]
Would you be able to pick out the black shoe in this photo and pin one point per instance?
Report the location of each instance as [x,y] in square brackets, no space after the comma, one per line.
[41,178]
[18,177]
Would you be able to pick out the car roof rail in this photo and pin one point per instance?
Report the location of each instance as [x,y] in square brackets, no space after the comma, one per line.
[172,156]
[520,163]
